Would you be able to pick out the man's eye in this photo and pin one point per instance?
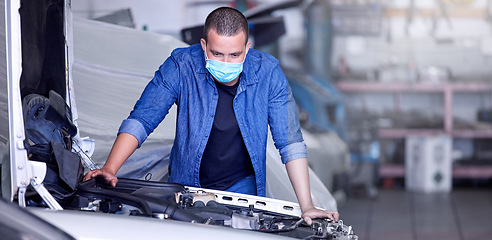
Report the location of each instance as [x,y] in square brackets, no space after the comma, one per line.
[216,54]
[235,55]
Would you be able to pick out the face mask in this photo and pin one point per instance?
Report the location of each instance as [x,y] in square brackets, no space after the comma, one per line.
[222,71]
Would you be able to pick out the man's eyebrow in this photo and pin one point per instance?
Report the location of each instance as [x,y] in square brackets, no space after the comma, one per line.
[234,53]
[215,52]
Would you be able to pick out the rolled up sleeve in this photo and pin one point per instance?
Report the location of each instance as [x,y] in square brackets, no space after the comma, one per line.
[293,151]
[135,128]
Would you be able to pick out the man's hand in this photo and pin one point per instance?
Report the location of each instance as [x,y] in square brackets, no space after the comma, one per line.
[313,213]
[299,177]
[124,145]
[106,174]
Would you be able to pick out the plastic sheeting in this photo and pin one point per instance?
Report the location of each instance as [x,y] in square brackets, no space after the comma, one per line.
[112,66]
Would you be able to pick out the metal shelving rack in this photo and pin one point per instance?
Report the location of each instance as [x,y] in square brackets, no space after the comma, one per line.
[448,90]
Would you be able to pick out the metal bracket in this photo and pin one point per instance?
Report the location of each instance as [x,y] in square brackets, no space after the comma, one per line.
[268,204]
[84,156]
[47,197]
[21,196]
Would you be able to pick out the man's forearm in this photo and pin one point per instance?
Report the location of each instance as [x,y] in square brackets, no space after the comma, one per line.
[299,177]
[123,147]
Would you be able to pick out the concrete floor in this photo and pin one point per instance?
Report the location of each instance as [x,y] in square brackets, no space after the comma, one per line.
[463,214]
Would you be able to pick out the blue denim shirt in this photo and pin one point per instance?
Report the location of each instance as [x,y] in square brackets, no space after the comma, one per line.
[263,99]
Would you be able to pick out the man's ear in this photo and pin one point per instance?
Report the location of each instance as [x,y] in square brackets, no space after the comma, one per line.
[204,44]
[248,45]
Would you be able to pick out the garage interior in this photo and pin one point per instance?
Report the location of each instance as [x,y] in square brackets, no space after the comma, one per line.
[394,98]
[403,84]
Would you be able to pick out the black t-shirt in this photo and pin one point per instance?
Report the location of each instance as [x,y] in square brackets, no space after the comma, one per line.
[225,159]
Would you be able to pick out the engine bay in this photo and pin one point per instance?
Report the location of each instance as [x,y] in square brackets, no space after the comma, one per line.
[171,201]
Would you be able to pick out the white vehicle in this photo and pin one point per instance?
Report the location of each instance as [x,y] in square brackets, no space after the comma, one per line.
[43,155]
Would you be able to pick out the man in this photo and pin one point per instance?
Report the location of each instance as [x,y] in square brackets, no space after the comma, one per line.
[226,95]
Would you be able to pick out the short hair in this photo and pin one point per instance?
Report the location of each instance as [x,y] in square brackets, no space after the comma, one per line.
[226,21]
